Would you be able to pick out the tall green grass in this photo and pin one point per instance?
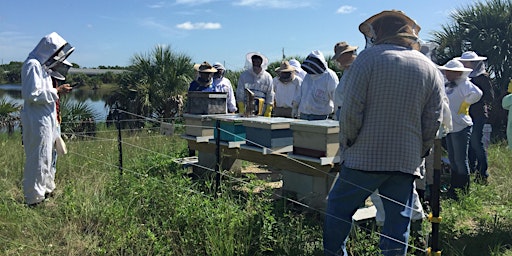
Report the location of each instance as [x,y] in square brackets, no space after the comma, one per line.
[154,208]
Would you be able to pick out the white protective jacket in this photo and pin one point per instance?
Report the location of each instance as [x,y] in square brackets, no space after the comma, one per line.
[464,91]
[317,93]
[39,119]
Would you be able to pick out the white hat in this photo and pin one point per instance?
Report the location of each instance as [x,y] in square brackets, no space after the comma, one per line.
[218,66]
[455,65]
[470,56]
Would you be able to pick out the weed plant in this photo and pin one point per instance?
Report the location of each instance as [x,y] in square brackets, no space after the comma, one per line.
[153,207]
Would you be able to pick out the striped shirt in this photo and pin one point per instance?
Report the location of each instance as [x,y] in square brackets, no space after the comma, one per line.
[390,109]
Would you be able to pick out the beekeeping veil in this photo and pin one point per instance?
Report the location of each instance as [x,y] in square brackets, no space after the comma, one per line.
[51,50]
[248,60]
[391,27]
[60,70]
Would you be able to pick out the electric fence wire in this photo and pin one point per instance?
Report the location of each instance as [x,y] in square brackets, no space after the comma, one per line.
[303,163]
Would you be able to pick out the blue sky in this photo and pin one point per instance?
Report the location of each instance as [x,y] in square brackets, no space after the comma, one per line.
[110,32]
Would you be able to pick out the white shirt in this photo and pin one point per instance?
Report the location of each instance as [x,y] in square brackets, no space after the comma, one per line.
[285,92]
[224,85]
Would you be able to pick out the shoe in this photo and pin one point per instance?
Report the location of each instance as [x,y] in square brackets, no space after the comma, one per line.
[49,195]
[34,205]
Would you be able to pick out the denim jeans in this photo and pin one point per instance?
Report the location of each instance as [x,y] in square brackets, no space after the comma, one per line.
[458,144]
[345,198]
[476,154]
[311,117]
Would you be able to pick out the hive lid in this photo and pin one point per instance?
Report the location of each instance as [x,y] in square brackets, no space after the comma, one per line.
[317,126]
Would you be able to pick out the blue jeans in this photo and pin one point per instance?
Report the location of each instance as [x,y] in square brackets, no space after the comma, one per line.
[311,117]
[458,144]
[476,155]
[345,198]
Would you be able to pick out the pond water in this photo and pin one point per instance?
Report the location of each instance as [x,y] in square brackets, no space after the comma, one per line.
[93,98]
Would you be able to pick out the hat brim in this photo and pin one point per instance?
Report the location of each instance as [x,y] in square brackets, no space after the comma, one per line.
[248,57]
[349,49]
[365,27]
[455,69]
[479,58]
[290,69]
[67,63]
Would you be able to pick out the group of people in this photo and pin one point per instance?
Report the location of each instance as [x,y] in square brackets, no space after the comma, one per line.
[304,90]
[392,103]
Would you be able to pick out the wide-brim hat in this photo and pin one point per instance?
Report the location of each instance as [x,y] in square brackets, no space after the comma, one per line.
[205,67]
[249,56]
[470,56]
[455,65]
[341,48]
[285,67]
[367,29]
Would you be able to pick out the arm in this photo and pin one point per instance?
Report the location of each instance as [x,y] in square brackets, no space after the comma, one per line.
[231,101]
[431,116]
[34,89]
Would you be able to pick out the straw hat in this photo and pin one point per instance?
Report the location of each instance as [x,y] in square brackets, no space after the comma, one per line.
[470,56]
[285,67]
[341,48]
[205,67]
[455,65]
[392,20]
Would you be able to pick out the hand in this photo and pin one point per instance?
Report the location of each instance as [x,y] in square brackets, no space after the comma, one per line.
[64,88]
[464,108]
[241,108]
[268,111]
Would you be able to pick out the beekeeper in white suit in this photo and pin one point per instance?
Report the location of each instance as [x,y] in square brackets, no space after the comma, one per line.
[39,116]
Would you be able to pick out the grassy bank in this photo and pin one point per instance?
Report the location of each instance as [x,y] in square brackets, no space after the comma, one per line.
[155,209]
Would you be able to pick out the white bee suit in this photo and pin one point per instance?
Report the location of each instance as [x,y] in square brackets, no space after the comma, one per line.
[39,117]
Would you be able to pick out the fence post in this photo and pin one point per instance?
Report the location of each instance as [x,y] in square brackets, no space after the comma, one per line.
[217,156]
[119,140]
[434,199]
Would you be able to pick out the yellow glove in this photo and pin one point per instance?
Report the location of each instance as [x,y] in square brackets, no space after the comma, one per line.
[464,108]
[510,87]
[268,111]
[241,107]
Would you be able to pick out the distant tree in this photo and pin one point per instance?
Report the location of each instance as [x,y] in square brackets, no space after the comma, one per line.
[156,84]
[486,28]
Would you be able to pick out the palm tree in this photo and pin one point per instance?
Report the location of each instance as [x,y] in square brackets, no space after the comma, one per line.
[156,84]
[9,115]
[78,118]
[486,28]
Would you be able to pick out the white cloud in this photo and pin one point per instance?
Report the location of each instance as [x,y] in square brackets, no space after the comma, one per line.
[198,25]
[157,5]
[346,9]
[280,4]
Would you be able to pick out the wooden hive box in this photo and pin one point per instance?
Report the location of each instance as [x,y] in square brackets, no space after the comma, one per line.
[316,138]
[205,103]
[268,132]
[199,125]
[231,128]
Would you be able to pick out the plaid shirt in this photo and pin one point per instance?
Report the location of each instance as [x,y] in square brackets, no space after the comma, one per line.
[390,112]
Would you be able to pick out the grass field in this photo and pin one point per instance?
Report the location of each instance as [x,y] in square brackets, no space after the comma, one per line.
[153,208]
